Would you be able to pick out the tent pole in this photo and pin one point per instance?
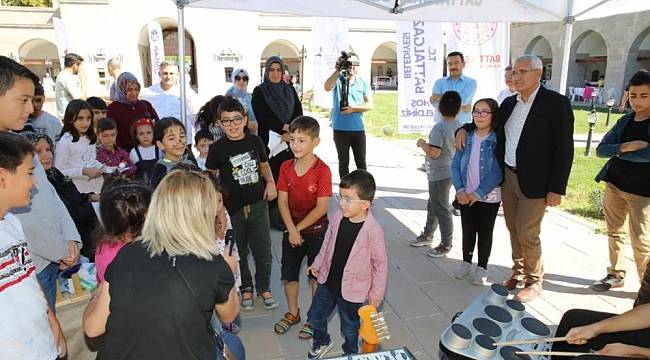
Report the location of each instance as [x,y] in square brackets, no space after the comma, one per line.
[566,49]
[180,4]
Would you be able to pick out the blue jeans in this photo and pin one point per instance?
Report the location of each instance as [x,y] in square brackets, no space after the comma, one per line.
[321,308]
[47,279]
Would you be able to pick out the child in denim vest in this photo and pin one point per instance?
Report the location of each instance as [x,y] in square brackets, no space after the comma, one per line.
[476,175]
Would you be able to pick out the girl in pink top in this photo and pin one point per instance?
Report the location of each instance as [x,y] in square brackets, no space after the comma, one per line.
[123,207]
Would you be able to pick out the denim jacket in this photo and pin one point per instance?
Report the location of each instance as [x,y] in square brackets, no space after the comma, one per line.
[609,146]
[490,173]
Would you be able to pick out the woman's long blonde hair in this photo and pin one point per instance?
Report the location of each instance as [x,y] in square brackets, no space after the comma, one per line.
[181,216]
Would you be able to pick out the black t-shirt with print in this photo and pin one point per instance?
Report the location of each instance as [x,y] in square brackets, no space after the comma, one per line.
[631,177]
[153,314]
[345,239]
[238,162]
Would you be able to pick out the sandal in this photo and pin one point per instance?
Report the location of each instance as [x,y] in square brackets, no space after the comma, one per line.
[306,332]
[247,300]
[281,327]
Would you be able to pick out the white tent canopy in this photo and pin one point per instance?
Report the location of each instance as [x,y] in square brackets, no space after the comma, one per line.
[565,11]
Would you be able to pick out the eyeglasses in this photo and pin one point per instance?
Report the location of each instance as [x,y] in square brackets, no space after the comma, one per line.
[228,122]
[481,113]
[241,78]
[346,200]
[521,72]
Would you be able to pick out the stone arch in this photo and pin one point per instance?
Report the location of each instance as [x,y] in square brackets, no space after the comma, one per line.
[383,66]
[588,59]
[40,56]
[285,49]
[541,47]
[638,56]
[169,27]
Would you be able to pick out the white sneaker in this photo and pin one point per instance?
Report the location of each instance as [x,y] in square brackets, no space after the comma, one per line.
[464,270]
[479,277]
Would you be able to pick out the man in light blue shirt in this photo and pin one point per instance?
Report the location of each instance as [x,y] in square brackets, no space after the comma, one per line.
[347,123]
[455,81]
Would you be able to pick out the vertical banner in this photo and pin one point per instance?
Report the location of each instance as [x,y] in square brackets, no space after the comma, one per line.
[61,39]
[157,49]
[419,64]
[329,38]
[485,47]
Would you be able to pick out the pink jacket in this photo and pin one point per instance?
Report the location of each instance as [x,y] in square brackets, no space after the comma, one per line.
[366,271]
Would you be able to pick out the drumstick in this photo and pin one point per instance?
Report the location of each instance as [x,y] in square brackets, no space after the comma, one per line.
[530,341]
[552,353]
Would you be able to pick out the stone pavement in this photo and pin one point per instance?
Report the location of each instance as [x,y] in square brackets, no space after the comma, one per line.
[422,294]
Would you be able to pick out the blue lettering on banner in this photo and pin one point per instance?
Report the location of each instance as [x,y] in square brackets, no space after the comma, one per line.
[406,46]
[419,74]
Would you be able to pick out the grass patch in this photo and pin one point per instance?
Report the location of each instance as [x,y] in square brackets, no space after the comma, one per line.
[581,199]
[582,127]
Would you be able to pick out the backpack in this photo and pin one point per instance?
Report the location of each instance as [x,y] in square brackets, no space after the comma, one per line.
[145,168]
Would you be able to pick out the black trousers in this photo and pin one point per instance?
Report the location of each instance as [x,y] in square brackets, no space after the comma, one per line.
[580,317]
[344,140]
[478,220]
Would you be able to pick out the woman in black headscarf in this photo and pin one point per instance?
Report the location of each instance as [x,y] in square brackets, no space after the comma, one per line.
[275,104]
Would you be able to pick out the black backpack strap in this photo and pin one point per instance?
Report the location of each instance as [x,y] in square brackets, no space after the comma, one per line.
[137,152]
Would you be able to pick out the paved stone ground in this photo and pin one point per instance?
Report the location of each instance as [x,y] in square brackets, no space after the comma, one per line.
[422,295]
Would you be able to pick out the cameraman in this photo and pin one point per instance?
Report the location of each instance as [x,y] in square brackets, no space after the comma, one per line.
[347,123]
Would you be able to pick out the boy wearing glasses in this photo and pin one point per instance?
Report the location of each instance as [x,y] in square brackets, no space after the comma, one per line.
[439,152]
[352,266]
[242,164]
[304,190]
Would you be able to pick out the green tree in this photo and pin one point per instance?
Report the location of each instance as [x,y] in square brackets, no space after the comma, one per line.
[32,3]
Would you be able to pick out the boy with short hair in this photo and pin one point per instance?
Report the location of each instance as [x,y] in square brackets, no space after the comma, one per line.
[52,236]
[351,267]
[41,121]
[28,330]
[304,190]
[202,141]
[439,151]
[627,184]
[242,164]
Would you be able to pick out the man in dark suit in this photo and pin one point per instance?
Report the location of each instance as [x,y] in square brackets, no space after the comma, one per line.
[536,146]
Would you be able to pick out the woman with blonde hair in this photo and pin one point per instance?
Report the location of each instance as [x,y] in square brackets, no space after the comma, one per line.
[161,289]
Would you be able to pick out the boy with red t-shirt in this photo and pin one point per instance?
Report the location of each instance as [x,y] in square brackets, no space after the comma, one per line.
[304,189]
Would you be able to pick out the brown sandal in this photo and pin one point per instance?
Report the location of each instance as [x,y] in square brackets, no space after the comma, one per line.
[289,319]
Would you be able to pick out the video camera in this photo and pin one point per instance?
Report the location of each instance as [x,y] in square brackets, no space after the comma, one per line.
[343,65]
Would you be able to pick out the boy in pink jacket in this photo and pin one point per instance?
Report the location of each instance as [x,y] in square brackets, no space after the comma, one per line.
[351,267]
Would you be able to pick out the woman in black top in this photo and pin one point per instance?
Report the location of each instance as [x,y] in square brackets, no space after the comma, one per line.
[275,104]
[162,289]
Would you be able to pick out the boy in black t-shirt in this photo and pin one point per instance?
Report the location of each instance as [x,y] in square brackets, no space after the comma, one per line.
[627,188]
[241,162]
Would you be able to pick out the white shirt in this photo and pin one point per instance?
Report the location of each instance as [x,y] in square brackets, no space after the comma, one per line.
[66,89]
[72,157]
[168,103]
[201,162]
[503,94]
[147,153]
[48,124]
[24,330]
[514,126]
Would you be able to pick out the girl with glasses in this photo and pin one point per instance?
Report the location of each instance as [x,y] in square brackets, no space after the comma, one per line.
[476,175]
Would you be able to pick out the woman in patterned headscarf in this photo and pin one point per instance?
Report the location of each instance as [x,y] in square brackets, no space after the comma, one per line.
[126,108]
[239,91]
